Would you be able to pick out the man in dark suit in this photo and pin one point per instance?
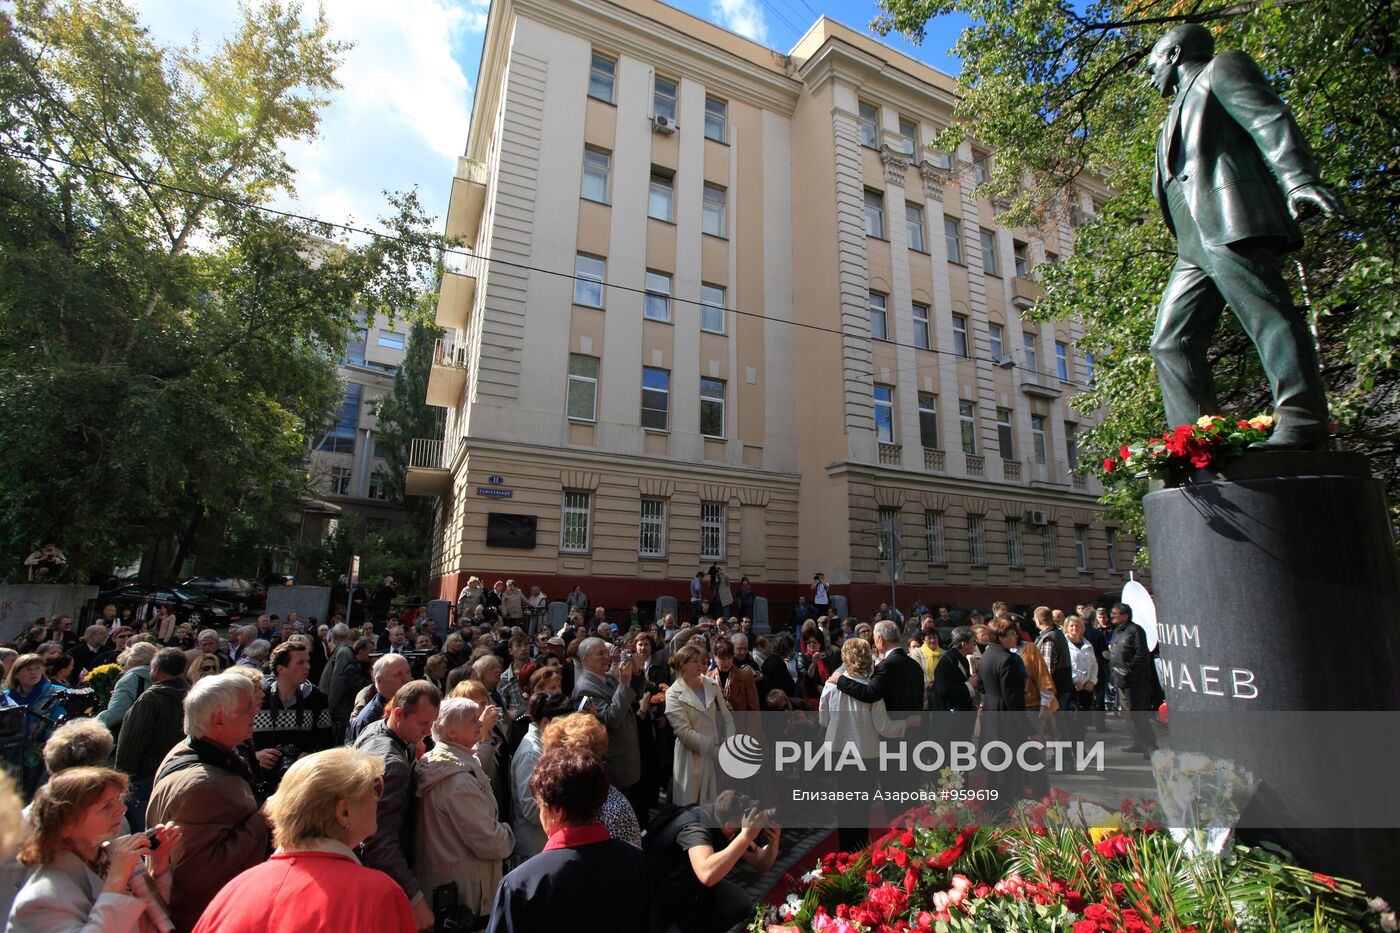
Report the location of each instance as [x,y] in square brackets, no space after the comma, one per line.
[898,679]
[1232,174]
[952,678]
[1132,674]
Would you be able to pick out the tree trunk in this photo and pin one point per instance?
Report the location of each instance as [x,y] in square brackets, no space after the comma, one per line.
[186,543]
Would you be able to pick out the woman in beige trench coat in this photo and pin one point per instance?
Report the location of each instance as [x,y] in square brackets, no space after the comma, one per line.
[700,718]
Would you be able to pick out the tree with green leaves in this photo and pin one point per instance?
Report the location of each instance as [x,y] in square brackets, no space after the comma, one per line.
[1054,90]
[164,340]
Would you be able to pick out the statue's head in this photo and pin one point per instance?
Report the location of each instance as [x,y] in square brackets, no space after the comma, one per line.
[1183,45]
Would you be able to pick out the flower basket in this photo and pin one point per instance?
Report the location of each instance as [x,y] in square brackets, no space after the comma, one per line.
[1189,453]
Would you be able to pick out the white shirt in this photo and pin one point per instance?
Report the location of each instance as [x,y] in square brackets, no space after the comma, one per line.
[1083,665]
[848,720]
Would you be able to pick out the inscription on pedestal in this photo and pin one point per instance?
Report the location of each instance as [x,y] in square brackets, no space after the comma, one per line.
[1213,679]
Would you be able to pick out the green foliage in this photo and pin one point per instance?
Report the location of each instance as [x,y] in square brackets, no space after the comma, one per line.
[163,343]
[1050,88]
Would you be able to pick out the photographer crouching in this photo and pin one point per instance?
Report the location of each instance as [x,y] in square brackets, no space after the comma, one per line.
[689,858]
[295,718]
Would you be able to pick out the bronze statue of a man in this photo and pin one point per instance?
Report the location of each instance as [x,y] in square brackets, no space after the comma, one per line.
[1233,172]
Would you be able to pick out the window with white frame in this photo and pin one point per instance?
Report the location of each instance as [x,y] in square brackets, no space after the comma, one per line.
[1004,434]
[884,414]
[989,252]
[597,169]
[1071,444]
[573,522]
[1081,548]
[711,407]
[879,317]
[869,125]
[583,387]
[1021,253]
[909,130]
[588,280]
[1062,361]
[952,238]
[933,537]
[390,339]
[960,341]
[657,304]
[928,420]
[712,214]
[976,553]
[889,533]
[1111,548]
[997,333]
[712,531]
[378,485]
[712,308]
[656,399]
[923,334]
[1089,368]
[716,119]
[663,97]
[981,171]
[340,481]
[651,533]
[1014,558]
[914,226]
[1032,357]
[1049,536]
[661,197]
[967,421]
[875,213]
[602,77]
[1038,437]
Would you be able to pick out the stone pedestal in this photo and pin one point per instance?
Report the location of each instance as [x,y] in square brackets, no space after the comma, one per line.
[1277,588]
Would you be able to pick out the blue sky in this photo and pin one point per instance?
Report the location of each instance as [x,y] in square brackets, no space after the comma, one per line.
[401,118]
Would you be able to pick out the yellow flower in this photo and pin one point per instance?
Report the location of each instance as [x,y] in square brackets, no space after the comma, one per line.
[1261,422]
[1100,833]
[1206,421]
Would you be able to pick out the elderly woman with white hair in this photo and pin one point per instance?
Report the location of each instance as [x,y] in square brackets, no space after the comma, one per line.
[460,836]
[136,677]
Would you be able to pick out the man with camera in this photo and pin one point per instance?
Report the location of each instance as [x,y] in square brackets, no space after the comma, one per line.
[610,684]
[295,718]
[690,856]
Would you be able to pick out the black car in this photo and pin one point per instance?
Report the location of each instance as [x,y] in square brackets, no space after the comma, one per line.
[245,594]
[189,605]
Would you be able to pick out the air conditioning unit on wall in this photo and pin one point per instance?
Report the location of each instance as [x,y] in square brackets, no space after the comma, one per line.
[1037,518]
[663,124]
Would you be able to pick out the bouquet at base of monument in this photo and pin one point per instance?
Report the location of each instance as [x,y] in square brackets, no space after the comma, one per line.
[1187,447]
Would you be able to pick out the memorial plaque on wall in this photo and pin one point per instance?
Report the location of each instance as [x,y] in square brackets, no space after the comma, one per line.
[513,531]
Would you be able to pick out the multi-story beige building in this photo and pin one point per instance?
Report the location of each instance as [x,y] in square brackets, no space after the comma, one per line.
[725,304]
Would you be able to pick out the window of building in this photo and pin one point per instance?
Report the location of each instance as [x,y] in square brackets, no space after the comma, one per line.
[661,197]
[378,485]
[914,225]
[340,439]
[989,252]
[888,543]
[869,125]
[1032,358]
[879,317]
[340,481]
[1051,259]
[922,331]
[997,333]
[713,213]
[712,531]
[597,169]
[1081,550]
[952,236]
[928,420]
[1111,548]
[583,387]
[588,280]
[981,169]
[884,414]
[651,536]
[657,304]
[381,449]
[1004,433]
[933,537]
[1071,444]
[711,407]
[355,345]
[712,308]
[573,522]
[960,344]
[976,553]
[967,422]
[716,119]
[1022,254]
[602,76]
[656,399]
[391,339]
[1062,361]
[1038,437]
[874,213]
[909,130]
[1089,367]
[1049,536]
[663,98]
[1014,557]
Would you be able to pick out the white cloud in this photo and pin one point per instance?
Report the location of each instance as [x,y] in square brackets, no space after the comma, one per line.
[742,16]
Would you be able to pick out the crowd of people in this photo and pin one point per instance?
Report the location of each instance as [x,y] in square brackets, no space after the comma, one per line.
[494,773]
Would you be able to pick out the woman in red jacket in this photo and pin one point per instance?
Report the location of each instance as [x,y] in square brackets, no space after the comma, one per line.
[325,806]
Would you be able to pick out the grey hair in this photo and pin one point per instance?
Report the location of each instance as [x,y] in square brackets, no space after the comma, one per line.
[258,649]
[207,633]
[382,665]
[887,630]
[737,638]
[486,660]
[138,654]
[82,743]
[590,645]
[215,693]
[452,711]
[340,630]
[961,636]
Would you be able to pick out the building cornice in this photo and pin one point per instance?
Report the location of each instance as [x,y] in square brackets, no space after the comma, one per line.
[954,485]
[840,60]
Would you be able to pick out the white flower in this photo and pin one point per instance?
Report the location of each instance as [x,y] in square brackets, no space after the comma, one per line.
[813,875]
[1378,904]
[1388,922]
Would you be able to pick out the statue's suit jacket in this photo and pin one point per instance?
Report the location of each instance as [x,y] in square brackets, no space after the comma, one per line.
[1238,153]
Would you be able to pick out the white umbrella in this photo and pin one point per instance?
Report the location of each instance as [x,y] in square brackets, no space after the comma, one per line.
[1144,611]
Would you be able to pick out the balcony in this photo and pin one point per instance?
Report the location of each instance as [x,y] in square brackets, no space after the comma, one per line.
[1025,291]
[934,460]
[455,297]
[1011,470]
[448,376]
[1080,481]
[1051,472]
[976,465]
[427,473]
[1043,385]
[468,200]
[890,455]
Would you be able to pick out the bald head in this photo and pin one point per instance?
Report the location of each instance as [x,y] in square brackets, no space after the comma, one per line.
[390,673]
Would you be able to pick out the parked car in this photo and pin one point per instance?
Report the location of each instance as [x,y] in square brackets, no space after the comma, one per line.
[189,605]
[247,594]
